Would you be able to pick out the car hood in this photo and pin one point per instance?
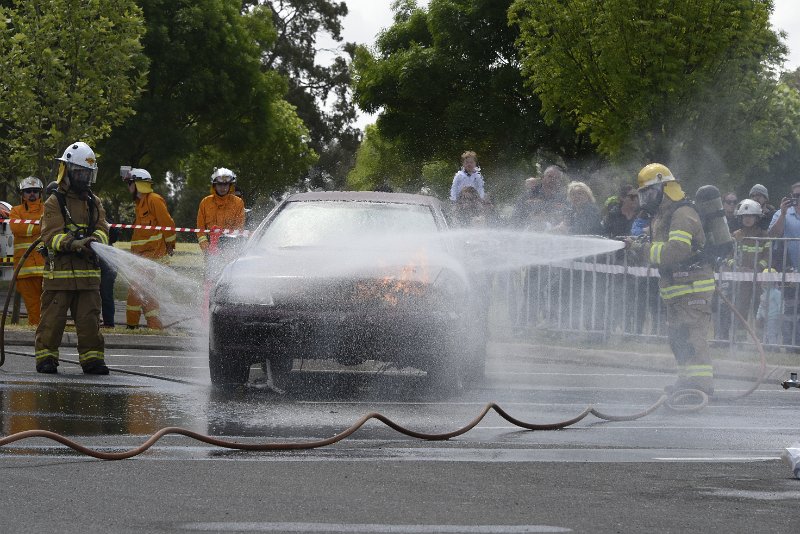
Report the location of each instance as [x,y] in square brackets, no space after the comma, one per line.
[310,277]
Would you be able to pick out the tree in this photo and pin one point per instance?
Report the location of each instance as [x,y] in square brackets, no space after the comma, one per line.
[206,87]
[320,92]
[447,79]
[687,83]
[71,71]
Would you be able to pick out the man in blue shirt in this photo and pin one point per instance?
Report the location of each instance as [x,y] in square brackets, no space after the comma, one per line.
[786,223]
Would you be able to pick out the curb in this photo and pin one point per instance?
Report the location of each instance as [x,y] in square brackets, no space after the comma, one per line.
[113,341]
[664,362]
[728,369]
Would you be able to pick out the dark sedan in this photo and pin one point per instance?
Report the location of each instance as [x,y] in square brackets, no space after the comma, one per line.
[349,277]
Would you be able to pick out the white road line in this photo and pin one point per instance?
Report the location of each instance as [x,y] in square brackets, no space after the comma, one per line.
[722,459]
[365,527]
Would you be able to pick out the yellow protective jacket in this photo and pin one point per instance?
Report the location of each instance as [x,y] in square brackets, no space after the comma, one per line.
[151,210]
[750,253]
[64,269]
[24,235]
[225,212]
[677,237]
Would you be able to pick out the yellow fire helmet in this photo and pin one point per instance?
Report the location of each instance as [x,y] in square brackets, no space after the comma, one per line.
[656,173]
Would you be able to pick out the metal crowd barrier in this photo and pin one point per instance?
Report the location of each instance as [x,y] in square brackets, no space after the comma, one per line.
[613,295]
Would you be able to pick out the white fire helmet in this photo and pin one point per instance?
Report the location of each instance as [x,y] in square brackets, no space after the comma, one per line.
[5,209]
[222,175]
[140,175]
[749,207]
[80,160]
[31,182]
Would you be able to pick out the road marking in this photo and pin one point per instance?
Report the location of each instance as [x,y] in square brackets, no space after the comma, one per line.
[722,459]
[365,527]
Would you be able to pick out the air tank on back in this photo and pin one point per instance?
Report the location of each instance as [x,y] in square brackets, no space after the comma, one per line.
[708,203]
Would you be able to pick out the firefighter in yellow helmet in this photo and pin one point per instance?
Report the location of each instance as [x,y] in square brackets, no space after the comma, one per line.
[29,278]
[686,280]
[73,219]
[151,210]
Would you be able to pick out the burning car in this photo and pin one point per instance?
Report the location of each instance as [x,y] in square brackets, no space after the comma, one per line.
[348,276]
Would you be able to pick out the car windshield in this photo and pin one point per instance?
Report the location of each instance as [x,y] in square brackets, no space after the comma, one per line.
[319,223]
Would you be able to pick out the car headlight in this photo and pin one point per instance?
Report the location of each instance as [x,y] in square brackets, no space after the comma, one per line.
[228,292]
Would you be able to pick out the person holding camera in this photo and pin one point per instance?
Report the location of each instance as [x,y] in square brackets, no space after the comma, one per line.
[73,219]
[786,223]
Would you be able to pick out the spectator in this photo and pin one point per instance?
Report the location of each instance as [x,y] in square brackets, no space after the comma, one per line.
[621,212]
[471,211]
[729,202]
[770,310]
[542,206]
[583,215]
[759,193]
[752,252]
[469,175]
[786,223]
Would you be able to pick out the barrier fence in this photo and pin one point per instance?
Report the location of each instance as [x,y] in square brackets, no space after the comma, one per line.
[613,295]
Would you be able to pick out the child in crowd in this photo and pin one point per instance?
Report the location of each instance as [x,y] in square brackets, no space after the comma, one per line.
[770,310]
[469,176]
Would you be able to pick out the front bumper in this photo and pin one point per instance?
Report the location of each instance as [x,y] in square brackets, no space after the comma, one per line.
[403,336]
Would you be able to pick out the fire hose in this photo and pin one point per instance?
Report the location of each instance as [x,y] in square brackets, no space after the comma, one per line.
[674,401]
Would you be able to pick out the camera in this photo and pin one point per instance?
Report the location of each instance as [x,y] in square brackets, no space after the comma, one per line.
[125,172]
[792,201]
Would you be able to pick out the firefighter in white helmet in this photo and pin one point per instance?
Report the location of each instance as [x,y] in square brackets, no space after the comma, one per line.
[73,219]
[222,208]
[752,253]
[151,210]
[686,281]
[29,276]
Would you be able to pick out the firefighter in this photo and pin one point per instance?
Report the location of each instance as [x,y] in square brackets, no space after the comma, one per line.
[151,210]
[29,277]
[222,208]
[686,280]
[73,219]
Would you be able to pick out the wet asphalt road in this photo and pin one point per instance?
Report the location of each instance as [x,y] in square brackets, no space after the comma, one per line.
[667,472]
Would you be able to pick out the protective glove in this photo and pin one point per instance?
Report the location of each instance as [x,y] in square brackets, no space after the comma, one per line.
[82,245]
[170,249]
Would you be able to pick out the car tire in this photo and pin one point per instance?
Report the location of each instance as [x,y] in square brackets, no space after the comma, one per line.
[227,369]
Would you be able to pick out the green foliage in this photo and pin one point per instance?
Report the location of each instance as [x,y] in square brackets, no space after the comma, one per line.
[320,93]
[72,70]
[378,162]
[447,79]
[688,83]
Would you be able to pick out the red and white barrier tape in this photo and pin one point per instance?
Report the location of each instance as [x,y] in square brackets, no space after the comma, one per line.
[224,231]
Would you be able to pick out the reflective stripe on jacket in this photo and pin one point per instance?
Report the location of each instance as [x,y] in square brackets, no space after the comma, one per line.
[151,210]
[24,235]
[67,270]
[672,249]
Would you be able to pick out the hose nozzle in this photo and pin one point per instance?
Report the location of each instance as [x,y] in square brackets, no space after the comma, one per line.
[792,382]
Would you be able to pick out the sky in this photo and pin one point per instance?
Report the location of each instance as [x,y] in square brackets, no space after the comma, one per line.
[366,18]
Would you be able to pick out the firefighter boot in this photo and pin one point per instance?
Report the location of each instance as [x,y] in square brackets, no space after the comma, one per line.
[95,367]
[47,366]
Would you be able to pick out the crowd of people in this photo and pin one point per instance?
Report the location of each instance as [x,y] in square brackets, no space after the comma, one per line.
[64,275]
[662,228]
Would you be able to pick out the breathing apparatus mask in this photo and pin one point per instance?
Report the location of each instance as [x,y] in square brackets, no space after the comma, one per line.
[650,198]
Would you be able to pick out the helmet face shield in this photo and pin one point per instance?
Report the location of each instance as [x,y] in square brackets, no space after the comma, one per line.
[81,178]
[650,197]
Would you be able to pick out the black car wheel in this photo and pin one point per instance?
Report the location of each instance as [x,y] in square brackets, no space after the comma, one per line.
[227,369]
